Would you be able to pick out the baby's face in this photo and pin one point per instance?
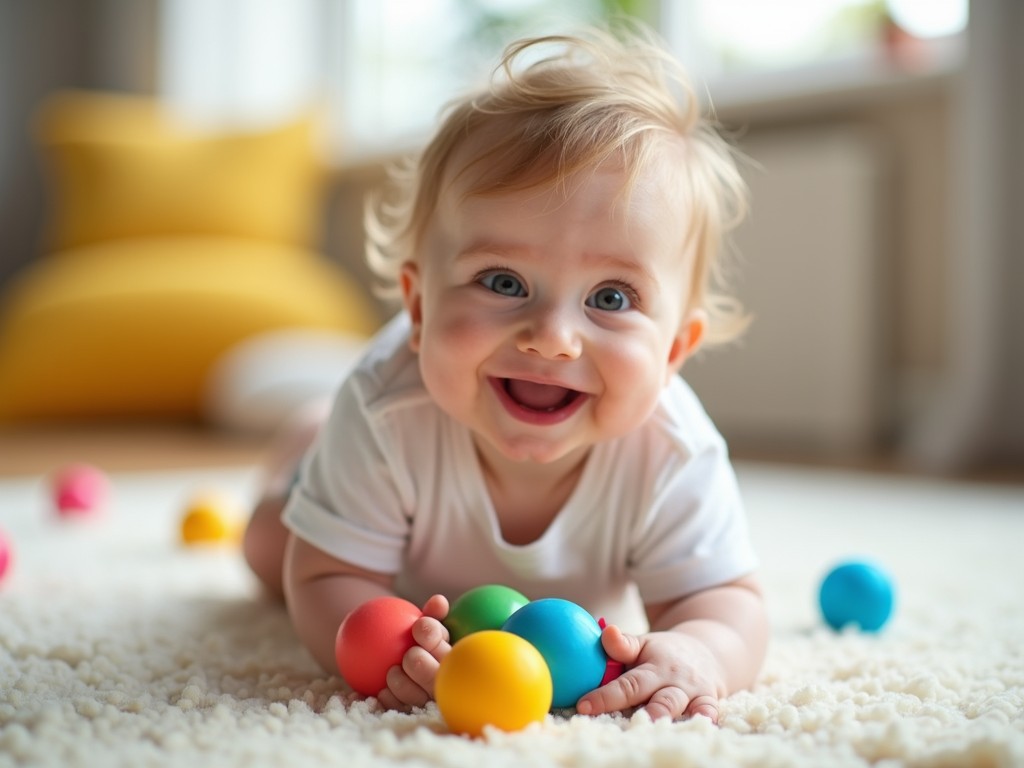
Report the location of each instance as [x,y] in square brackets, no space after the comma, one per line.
[548,320]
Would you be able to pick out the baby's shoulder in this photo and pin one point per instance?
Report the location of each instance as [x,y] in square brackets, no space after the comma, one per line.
[675,451]
[388,375]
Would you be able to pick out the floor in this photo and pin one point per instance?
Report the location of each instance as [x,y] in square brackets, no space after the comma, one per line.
[39,450]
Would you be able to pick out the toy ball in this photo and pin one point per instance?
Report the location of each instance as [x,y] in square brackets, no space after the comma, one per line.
[492,678]
[486,607]
[373,638]
[80,489]
[6,555]
[857,593]
[569,639]
[210,519]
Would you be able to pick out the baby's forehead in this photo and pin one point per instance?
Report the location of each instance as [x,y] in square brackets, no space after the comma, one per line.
[636,208]
[647,195]
[655,167]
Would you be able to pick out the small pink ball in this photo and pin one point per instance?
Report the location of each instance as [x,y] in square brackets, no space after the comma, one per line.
[80,489]
[6,555]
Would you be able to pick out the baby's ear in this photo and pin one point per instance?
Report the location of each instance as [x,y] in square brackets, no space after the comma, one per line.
[412,297]
[688,340]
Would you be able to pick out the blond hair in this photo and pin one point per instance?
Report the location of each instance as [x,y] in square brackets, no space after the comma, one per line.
[599,96]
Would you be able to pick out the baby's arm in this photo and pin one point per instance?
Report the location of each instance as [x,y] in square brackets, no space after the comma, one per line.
[321,590]
[701,648]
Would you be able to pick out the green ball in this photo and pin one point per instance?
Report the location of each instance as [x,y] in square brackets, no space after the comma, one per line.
[486,607]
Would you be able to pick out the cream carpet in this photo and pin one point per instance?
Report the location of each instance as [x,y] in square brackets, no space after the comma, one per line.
[119,647]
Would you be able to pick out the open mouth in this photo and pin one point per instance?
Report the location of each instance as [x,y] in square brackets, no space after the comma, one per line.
[538,403]
[539,397]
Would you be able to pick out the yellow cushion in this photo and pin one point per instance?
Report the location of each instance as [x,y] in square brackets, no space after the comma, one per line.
[132,327]
[121,166]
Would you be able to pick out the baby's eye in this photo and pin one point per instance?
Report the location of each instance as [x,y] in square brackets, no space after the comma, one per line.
[503,283]
[609,299]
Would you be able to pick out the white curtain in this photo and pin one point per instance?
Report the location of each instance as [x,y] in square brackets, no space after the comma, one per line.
[241,62]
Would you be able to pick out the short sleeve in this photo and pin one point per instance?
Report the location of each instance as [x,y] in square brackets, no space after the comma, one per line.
[348,501]
[695,535]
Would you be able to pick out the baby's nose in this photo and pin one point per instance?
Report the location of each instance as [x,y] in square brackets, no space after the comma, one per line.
[551,333]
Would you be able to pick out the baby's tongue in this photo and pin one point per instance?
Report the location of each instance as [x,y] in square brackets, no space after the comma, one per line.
[539,397]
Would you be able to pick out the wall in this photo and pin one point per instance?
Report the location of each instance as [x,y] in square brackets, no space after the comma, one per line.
[950,238]
[901,129]
[978,415]
[50,44]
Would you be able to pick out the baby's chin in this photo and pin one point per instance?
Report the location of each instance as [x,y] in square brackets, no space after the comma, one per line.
[531,450]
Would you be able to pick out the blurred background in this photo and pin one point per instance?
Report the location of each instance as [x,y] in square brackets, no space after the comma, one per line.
[182,186]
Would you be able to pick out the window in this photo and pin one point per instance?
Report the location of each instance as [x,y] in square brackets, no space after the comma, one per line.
[383,69]
[400,61]
[240,62]
[745,50]
[737,35]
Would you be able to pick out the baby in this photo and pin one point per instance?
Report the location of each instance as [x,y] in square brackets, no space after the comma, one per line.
[522,422]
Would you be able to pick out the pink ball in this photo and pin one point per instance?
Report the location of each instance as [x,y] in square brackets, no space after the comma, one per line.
[5,555]
[372,639]
[80,489]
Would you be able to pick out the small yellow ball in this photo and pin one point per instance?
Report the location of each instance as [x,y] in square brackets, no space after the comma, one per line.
[210,519]
[492,678]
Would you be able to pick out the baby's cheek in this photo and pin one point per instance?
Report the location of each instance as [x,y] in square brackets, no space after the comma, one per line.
[457,323]
[634,382]
[444,379]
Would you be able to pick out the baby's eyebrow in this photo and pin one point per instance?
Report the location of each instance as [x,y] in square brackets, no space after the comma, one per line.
[481,250]
[631,266]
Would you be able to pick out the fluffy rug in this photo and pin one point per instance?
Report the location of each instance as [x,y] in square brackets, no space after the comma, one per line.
[120,646]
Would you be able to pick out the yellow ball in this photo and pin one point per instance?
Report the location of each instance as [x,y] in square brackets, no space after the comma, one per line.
[210,519]
[492,678]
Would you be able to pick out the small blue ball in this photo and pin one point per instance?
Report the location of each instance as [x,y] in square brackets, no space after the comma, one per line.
[857,593]
[569,639]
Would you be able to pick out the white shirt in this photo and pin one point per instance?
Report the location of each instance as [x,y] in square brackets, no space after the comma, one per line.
[394,485]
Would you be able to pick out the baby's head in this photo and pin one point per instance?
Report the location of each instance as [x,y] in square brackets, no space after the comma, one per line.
[557,108]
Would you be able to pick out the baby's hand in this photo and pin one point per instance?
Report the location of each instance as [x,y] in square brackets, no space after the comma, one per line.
[671,674]
[412,683]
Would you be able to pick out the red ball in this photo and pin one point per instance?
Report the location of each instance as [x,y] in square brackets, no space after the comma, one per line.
[372,639]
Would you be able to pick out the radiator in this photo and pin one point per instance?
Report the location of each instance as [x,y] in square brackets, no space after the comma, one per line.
[809,374]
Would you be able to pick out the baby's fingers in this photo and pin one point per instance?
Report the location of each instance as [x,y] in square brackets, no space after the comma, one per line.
[703,705]
[642,686]
[405,687]
[388,700]
[421,662]
[436,607]
[630,689]
[669,702]
[432,636]
[620,646]
[411,684]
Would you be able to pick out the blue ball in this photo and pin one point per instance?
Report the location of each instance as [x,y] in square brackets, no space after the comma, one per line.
[569,639]
[857,593]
